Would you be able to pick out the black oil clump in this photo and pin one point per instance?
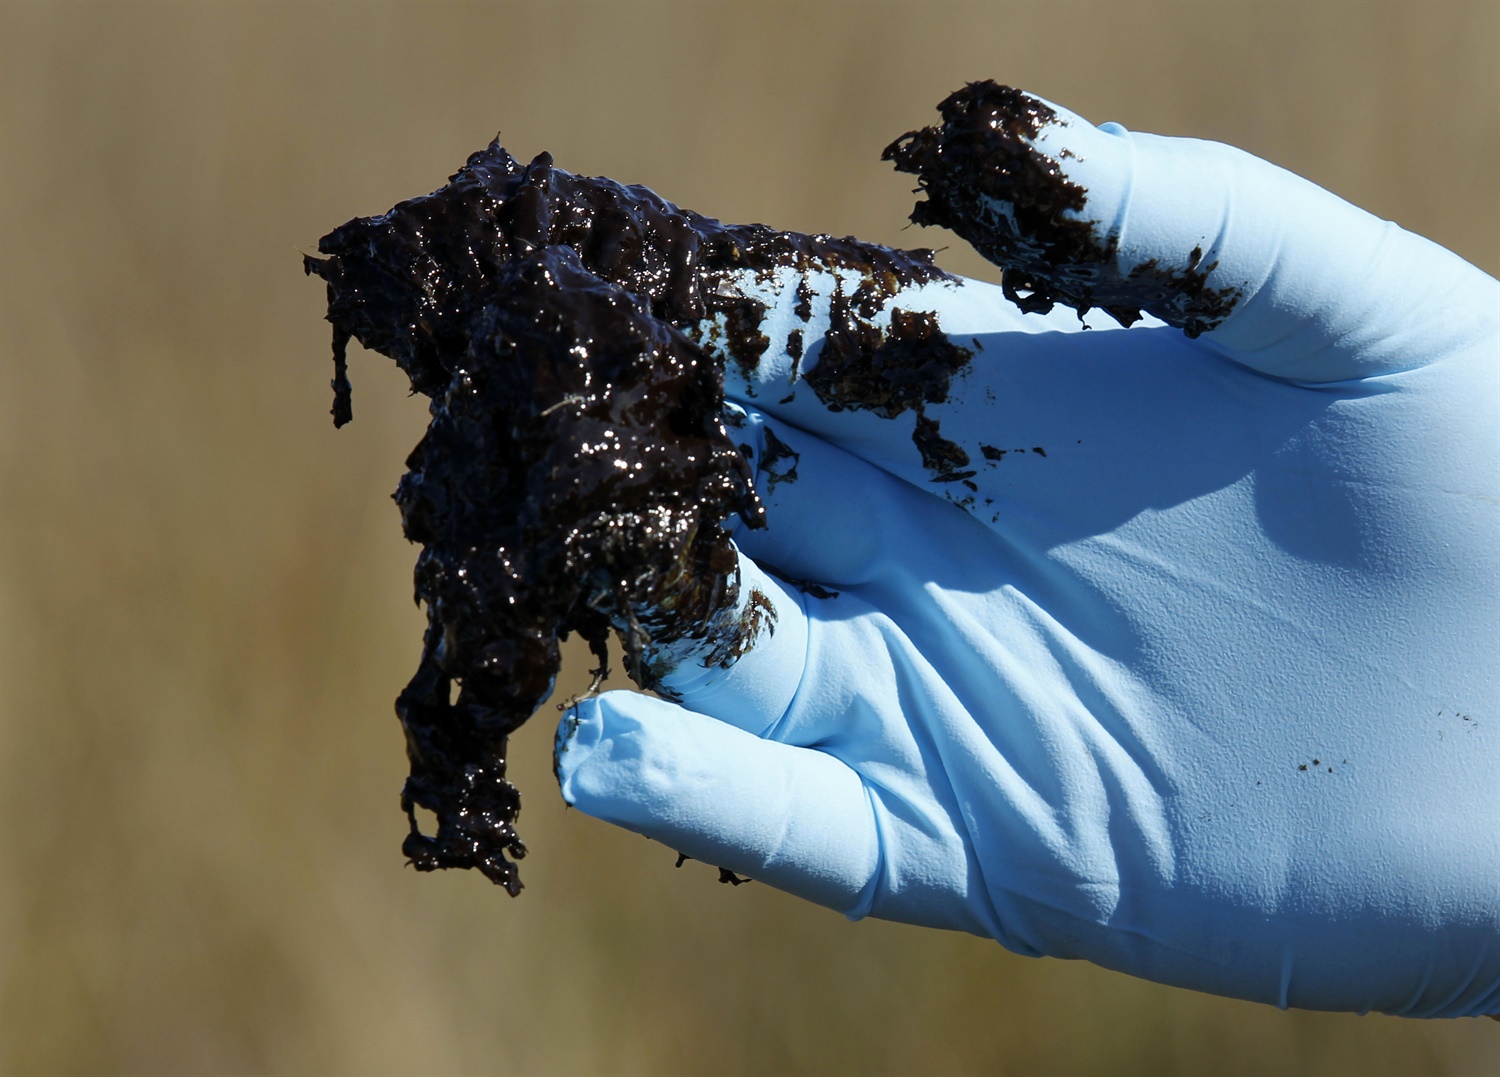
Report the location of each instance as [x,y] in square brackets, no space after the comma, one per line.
[984,153]
[891,370]
[577,475]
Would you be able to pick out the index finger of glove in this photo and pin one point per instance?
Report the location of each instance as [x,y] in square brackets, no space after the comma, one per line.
[832,518]
[748,669]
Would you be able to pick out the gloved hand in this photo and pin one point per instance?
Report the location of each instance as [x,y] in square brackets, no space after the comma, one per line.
[1175,651]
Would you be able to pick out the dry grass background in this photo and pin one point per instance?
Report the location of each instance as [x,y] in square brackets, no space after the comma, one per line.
[205,604]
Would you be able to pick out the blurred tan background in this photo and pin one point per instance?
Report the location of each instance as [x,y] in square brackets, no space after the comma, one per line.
[205,608]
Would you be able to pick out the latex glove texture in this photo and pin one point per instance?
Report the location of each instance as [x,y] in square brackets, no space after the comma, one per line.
[1175,653]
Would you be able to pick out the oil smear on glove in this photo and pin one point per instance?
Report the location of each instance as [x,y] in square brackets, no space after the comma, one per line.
[577,474]
[987,180]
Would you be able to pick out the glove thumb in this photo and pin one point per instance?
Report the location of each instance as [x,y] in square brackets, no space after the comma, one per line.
[795,818]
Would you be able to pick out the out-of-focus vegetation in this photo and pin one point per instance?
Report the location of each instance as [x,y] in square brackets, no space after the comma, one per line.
[205,604]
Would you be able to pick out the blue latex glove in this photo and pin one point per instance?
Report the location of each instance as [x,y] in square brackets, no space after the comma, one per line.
[1195,676]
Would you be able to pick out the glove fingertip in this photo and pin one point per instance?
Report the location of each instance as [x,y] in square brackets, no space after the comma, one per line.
[593,740]
[635,760]
[795,818]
